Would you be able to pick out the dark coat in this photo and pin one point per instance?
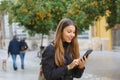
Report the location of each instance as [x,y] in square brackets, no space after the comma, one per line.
[52,72]
[23,46]
[13,47]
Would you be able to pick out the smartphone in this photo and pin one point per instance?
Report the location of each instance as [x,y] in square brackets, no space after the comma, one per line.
[87,53]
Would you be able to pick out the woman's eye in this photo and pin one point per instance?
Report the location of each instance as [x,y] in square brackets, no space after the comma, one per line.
[68,31]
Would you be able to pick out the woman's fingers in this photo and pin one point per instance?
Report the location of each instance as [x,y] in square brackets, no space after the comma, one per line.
[74,63]
[83,61]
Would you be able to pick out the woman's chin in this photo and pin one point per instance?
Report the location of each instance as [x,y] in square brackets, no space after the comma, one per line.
[68,41]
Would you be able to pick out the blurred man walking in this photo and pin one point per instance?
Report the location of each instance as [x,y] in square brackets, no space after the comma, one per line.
[14,49]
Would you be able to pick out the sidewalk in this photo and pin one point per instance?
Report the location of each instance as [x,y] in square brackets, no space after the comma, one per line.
[29,73]
[102,65]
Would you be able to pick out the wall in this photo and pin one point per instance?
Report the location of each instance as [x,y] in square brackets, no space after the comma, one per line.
[103,34]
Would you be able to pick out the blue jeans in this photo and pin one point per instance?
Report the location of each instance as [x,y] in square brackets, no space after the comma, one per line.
[22,56]
[14,61]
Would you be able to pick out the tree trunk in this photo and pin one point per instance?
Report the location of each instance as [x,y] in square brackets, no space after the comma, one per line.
[42,47]
[0,32]
[11,32]
[3,30]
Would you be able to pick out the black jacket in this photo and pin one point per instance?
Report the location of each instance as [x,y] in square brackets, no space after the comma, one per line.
[23,46]
[52,72]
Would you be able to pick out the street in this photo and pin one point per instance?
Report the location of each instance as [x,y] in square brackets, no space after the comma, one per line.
[29,73]
[102,65]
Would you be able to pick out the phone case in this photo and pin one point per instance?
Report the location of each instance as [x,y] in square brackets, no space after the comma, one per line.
[87,52]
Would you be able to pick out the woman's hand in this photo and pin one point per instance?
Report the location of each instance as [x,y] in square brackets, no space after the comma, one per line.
[74,63]
[82,62]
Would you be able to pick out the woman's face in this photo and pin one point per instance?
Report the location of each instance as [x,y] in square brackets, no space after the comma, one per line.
[68,33]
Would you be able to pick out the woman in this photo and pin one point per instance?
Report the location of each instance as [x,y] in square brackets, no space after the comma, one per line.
[23,48]
[61,59]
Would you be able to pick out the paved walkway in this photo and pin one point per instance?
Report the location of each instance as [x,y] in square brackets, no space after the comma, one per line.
[102,65]
[29,73]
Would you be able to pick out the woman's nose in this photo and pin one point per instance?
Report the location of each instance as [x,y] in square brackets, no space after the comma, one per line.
[72,34]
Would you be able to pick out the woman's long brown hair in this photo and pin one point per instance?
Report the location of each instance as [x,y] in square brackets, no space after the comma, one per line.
[73,48]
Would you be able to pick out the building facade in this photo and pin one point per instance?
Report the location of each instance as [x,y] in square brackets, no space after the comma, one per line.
[109,39]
